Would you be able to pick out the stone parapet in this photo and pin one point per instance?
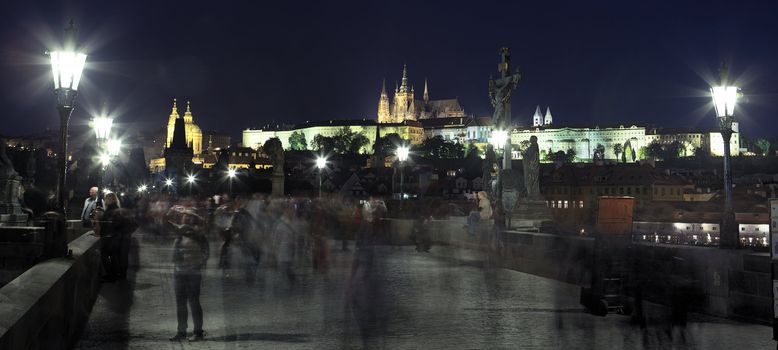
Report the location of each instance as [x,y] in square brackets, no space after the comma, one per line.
[47,306]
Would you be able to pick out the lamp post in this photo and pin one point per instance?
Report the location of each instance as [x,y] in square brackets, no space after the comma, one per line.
[168,184]
[402,156]
[231,175]
[190,180]
[321,163]
[724,100]
[66,67]
[102,127]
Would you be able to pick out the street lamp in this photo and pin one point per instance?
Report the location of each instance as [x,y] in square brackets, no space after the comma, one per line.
[499,139]
[142,188]
[168,184]
[113,147]
[66,67]
[231,175]
[724,100]
[321,162]
[190,179]
[402,156]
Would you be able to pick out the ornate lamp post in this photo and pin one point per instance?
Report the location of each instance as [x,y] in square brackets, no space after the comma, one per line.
[402,156]
[724,100]
[321,163]
[66,67]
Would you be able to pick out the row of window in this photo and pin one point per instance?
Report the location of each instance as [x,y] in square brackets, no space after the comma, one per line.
[622,191]
[565,204]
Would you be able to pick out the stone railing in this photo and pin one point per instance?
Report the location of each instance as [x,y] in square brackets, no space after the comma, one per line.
[47,306]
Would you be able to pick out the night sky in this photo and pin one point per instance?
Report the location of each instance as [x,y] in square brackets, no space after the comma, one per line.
[245,65]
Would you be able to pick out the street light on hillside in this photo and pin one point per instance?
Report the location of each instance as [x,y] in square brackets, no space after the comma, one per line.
[67,65]
[402,156]
[725,98]
[321,163]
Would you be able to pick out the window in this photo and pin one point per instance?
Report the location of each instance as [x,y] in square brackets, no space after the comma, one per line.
[621,190]
[565,204]
[580,204]
[629,190]
[742,229]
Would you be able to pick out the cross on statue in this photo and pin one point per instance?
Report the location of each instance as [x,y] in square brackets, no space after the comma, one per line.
[500,90]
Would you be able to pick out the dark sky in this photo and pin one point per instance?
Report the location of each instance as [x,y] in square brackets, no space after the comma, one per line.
[244,65]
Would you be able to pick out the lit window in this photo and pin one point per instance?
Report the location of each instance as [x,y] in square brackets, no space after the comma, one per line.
[565,204]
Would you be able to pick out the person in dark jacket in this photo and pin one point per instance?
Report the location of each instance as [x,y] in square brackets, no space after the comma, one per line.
[190,254]
[116,228]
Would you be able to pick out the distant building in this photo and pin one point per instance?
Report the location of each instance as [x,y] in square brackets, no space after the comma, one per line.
[404,105]
[214,141]
[407,130]
[709,141]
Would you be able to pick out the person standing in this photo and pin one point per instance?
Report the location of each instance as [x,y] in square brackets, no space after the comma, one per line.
[190,255]
[89,207]
[115,228]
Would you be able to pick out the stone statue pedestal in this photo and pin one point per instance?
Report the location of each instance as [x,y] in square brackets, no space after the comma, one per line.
[10,209]
[531,215]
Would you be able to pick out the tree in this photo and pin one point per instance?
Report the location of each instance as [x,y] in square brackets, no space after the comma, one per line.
[357,142]
[323,143]
[599,152]
[437,147]
[763,146]
[665,152]
[654,150]
[570,156]
[389,143]
[297,141]
[472,151]
[617,149]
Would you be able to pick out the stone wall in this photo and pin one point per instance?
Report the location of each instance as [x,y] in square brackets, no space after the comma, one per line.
[47,306]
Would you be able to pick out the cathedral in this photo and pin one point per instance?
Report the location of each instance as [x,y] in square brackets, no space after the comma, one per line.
[404,105]
[194,136]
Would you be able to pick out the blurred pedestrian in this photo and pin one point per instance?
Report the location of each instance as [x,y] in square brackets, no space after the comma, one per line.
[115,229]
[90,204]
[483,213]
[190,255]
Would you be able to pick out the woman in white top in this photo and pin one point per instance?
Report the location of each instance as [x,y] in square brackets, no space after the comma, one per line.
[483,213]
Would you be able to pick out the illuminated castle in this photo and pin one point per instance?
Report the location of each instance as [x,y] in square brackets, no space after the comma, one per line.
[404,105]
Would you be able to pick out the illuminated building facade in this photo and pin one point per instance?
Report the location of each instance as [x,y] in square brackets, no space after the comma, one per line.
[404,105]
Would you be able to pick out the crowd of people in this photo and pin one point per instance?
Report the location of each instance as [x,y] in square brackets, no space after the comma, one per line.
[249,230]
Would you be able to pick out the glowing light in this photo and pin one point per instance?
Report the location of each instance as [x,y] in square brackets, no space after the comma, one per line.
[66,67]
[402,153]
[106,191]
[191,178]
[321,162]
[102,126]
[105,159]
[724,100]
[499,138]
[168,182]
[114,147]
[231,173]
[142,188]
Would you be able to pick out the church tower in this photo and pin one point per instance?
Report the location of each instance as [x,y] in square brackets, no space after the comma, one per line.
[548,120]
[171,123]
[194,136]
[537,119]
[403,100]
[426,93]
[384,115]
[178,155]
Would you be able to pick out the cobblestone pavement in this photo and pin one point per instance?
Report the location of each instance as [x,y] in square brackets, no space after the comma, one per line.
[396,299]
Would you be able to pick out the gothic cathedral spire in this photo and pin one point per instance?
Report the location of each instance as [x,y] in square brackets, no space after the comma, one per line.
[426,93]
[383,105]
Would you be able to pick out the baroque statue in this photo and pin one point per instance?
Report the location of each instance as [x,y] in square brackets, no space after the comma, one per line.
[531,162]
